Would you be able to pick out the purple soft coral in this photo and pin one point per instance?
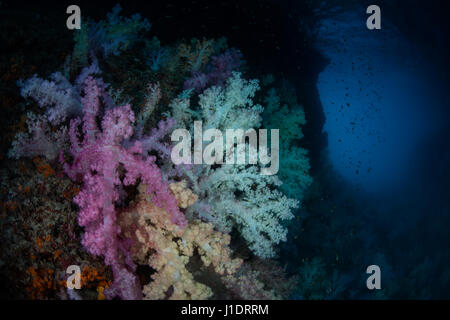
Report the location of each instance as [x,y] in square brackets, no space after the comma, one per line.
[96,162]
[223,66]
[220,70]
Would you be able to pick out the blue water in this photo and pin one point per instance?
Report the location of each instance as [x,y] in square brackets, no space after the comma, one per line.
[379,100]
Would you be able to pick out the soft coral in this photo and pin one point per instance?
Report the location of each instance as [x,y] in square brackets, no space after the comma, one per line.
[97,162]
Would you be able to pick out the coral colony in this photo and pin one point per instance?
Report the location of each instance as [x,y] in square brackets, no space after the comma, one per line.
[163,161]
[144,212]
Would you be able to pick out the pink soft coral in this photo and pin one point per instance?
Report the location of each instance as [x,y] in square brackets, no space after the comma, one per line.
[104,167]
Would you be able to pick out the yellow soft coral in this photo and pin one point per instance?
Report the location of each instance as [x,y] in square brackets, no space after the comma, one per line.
[167,248]
[185,197]
[211,245]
